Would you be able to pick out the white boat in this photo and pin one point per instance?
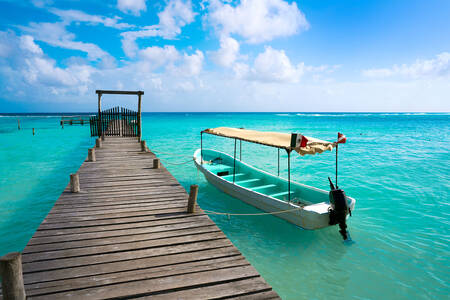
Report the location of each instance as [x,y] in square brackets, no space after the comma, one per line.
[302,205]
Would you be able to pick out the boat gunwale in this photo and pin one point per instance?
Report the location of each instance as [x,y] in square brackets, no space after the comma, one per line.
[196,156]
[242,187]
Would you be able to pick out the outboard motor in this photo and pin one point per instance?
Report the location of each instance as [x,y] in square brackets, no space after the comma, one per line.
[339,209]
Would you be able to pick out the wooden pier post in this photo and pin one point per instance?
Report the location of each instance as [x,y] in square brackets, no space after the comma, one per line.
[103,136]
[18,124]
[143,146]
[74,183]
[12,278]
[156,163]
[193,192]
[91,154]
[98,143]
[140,114]
[33,131]
[99,119]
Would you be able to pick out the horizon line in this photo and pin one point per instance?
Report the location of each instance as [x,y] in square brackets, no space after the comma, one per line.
[247,112]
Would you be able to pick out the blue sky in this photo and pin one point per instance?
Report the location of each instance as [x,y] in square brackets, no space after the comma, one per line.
[252,55]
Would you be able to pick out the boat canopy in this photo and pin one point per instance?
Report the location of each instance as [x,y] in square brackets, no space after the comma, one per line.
[275,139]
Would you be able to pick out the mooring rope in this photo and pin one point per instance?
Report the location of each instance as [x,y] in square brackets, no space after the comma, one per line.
[168,153]
[223,213]
[176,164]
[255,214]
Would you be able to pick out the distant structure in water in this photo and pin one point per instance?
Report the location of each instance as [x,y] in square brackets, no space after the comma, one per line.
[73,120]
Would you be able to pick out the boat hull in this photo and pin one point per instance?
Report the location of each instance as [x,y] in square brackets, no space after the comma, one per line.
[312,216]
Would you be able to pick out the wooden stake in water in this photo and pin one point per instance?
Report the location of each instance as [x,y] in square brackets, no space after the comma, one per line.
[33,131]
[12,277]
[18,124]
[193,192]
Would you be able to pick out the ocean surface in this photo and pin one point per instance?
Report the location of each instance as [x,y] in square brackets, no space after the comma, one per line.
[396,166]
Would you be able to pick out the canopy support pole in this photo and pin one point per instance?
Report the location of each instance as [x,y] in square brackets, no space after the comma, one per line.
[201,147]
[289,176]
[337,146]
[234,162]
[278,162]
[240,150]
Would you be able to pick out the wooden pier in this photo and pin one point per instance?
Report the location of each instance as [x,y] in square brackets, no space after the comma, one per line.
[73,120]
[127,234]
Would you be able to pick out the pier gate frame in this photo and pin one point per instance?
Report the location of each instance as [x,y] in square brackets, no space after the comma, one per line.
[99,118]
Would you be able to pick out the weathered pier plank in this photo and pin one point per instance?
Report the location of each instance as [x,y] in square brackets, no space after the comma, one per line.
[127,234]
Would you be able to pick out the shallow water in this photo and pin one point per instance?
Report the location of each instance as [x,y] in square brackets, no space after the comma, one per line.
[397,166]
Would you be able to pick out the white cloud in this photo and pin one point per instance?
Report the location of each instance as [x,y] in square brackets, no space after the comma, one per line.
[241,70]
[274,65]
[71,15]
[191,65]
[43,71]
[257,20]
[155,57]
[170,60]
[55,34]
[228,52]
[377,73]
[27,74]
[27,43]
[175,15]
[28,68]
[129,38]
[435,67]
[41,3]
[132,6]
[7,46]
[157,83]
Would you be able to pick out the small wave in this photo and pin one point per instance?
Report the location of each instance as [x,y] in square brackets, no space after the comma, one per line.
[368,114]
[283,115]
[325,115]
[29,116]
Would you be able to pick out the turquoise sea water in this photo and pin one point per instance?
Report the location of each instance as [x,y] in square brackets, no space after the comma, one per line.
[397,166]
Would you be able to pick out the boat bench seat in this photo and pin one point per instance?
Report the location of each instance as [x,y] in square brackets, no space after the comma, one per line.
[247,181]
[281,194]
[230,177]
[262,187]
[219,168]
